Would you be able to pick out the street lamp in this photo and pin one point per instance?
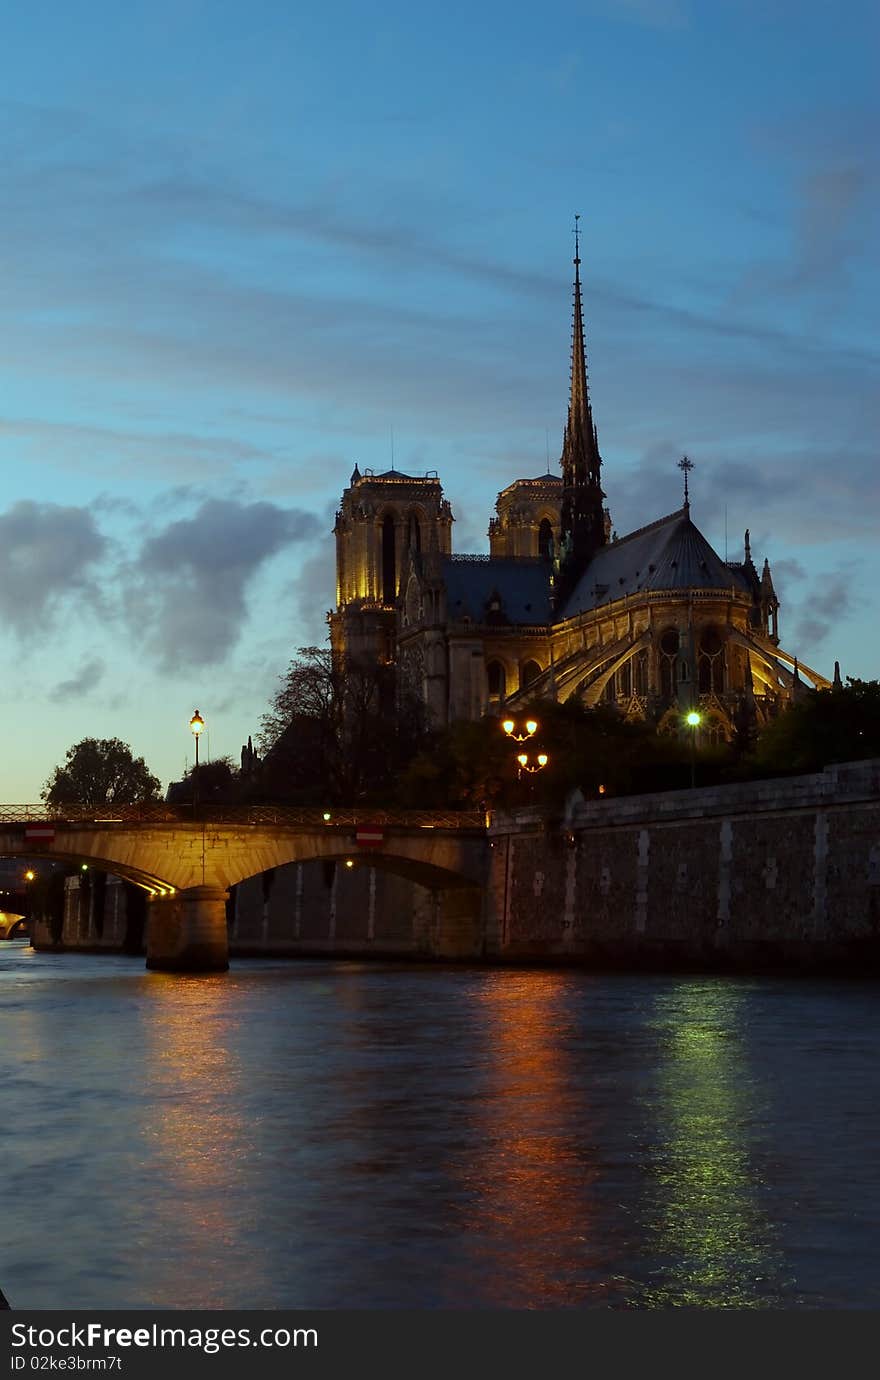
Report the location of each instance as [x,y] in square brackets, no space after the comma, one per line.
[693,719]
[197,727]
[510,729]
[525,764]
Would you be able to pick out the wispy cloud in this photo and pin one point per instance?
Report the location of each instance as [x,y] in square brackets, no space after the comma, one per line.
[86,679]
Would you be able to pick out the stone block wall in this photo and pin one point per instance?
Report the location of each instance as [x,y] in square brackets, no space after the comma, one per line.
[325,907]
[773,873]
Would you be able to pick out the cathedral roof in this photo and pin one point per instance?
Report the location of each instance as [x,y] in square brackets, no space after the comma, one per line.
[521,589]
[668,554]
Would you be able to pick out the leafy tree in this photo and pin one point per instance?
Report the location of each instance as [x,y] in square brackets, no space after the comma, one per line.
[101,771]
[219,783]
[336,733]
[471,765]
[825,726]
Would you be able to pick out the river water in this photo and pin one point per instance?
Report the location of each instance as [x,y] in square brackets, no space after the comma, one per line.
[323,1135]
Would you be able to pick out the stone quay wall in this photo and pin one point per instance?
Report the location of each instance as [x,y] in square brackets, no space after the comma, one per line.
[779,874]
[782,873]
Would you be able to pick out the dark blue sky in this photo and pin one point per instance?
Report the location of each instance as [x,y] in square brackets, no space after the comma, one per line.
[241,243]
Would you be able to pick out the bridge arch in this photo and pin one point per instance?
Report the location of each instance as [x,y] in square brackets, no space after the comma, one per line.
[186,867]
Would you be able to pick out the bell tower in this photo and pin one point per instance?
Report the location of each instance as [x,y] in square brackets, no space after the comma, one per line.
[381,519]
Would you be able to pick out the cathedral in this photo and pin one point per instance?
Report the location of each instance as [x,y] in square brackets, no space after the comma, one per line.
[654,623]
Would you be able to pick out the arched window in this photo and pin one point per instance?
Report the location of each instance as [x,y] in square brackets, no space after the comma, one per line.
[497,680]
[710,665]
[640,672]
[545,540]
[669,641]
[414,534]
[389,564]
[529,671]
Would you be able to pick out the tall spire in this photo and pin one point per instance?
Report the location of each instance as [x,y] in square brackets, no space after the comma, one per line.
[582,518]
[581,461]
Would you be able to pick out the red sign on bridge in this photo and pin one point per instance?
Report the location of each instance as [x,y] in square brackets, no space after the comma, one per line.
[39,833]
[369,836]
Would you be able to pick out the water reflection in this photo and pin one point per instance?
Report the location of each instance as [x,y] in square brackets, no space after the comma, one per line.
[340,1135]
[714,1242]
[530,1188]
[198,1144]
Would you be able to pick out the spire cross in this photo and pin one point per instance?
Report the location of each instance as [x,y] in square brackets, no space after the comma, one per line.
[577,242]
[686,466]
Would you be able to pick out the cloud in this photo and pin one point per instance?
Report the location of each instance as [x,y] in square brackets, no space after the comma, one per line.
[186,592]
[314,591]
[47,555]
[87,678]
[832,598]
[830,204]
[803,498]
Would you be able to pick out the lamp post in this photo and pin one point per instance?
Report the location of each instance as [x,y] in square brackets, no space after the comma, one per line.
[521,733]
[518,736]
[693,719]
[526,763]
[197,726]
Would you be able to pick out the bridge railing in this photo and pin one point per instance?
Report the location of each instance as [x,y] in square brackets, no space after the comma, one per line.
[286,815]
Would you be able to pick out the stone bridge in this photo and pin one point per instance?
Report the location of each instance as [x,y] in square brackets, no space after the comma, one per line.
[186,865]
[13,925]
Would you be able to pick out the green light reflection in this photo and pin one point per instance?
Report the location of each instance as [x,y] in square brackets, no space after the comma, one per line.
[710,1230]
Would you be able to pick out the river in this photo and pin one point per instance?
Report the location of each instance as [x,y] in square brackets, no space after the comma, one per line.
[302,1134]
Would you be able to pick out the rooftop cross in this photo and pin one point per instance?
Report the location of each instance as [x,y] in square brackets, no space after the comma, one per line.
[686,465]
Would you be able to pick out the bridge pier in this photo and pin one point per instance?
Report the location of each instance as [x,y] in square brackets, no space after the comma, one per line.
[186,933]
[459,926]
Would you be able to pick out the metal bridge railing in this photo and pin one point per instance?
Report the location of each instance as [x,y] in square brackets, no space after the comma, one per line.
[284,815]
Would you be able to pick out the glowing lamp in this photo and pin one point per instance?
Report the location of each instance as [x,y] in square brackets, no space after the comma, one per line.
[692,719]
[197,725]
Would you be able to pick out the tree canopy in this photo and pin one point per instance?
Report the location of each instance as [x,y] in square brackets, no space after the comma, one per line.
[219,783]
[337,733]
[825,726]
[101,771]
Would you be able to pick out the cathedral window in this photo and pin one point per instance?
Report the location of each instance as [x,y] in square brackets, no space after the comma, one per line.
[669,641]
[640,673]
[415,533]
[497,680]
[529,671]
[545,540]
[389,563]
[710,665]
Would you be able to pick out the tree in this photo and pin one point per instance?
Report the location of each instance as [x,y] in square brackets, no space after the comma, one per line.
[101,771]
[219,784]
[825,726]
[338,731]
